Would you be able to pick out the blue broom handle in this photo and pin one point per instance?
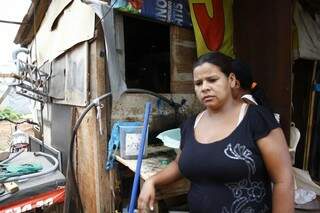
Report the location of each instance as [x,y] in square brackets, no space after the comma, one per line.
[140,155]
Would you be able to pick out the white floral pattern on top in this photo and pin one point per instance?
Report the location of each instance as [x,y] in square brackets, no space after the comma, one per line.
[245,190]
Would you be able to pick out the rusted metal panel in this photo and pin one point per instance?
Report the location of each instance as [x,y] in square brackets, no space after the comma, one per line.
[74,65]
[263,39]
[58,19]
[58,77]
[56,134]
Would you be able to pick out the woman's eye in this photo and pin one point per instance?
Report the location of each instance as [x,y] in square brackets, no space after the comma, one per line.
[211,80]
[197,83]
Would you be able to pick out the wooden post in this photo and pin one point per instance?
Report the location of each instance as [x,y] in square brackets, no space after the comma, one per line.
[310,119]
[92,178]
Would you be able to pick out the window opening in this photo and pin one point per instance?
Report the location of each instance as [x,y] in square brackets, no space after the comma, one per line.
[147,54]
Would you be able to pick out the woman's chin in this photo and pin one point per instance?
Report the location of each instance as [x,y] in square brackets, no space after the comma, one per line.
[211,104]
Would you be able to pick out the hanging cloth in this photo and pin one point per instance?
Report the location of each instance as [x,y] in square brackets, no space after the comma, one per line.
[308,33]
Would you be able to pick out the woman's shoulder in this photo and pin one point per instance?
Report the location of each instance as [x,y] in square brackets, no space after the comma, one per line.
[258,114]
[188,122]
[258,109]
[261,121]
[186,129]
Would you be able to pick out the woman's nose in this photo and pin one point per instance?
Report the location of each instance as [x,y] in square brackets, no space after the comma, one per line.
[205,86]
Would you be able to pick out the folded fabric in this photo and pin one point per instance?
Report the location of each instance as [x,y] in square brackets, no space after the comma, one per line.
[25,168]
[12,170]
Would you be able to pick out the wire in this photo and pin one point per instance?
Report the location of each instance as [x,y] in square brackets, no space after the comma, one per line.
[43,172]
[171,103]
[165,99]
[13,22]
[95,102]
[11,157]
[20,122]
[41,127]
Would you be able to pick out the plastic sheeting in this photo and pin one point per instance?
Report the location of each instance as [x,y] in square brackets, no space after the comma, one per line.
[303,180]
[116,74]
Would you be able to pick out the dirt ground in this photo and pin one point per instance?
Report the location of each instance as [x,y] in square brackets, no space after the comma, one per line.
[6,129]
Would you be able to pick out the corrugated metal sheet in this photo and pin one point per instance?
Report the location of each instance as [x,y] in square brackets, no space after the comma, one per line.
[33,18]
[71,80]
[61,31]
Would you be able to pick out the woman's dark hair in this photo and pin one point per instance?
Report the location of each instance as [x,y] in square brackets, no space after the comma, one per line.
[259,95]
[216,58]
[242,71]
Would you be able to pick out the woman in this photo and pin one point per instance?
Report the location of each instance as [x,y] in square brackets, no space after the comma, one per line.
[229,154]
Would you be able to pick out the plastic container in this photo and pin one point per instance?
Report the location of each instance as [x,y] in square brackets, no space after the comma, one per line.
[130,139]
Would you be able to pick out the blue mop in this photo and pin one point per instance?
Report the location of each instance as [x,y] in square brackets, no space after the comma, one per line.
[139,160]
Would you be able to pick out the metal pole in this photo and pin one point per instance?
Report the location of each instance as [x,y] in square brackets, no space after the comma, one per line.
[140,155]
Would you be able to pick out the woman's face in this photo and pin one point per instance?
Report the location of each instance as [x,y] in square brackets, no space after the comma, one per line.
[211,85]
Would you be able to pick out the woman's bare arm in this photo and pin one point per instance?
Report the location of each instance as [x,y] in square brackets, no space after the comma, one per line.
[276,157]
[169,175]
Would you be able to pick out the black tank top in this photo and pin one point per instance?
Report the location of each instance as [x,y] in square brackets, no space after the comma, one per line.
[229,175]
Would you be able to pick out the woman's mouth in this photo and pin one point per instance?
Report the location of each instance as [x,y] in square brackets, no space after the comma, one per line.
[207,98]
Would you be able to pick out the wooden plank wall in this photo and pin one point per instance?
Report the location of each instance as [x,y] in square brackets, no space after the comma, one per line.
[93,181]
[263,39]
[182,56]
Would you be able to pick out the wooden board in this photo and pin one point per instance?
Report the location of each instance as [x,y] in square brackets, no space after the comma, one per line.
[262,34]
[152,165]
[90,149]
[183,55]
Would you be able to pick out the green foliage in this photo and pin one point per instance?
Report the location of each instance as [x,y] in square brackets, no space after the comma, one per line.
[8,113]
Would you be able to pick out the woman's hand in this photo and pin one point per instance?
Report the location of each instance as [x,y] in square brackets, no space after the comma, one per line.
[147,196]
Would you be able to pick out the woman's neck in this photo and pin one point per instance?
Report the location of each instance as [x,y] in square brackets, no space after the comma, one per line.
[228,107]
